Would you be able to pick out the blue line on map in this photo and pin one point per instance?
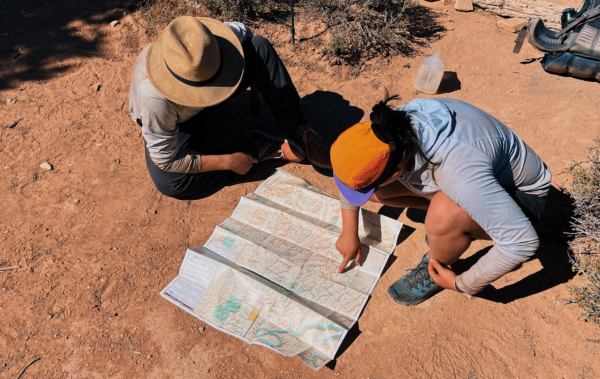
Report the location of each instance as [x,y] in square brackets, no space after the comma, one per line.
[315,359]
[280,341]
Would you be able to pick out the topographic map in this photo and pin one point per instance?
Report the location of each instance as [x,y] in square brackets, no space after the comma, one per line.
[268,274]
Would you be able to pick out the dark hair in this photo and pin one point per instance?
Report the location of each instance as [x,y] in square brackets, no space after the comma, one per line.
[392,126]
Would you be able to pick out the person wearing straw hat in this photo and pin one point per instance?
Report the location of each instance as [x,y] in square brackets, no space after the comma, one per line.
[193,65]
[475,177]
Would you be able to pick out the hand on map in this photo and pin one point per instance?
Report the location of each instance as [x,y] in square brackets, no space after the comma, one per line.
[256,102]
[349,246]
[240,163]
[442,274]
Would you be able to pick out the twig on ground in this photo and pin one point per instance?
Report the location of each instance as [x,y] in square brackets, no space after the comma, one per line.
[14,124]
[35,359]
[9,268]
[359,68]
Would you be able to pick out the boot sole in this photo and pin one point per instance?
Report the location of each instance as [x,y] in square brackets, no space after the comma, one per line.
[282,139]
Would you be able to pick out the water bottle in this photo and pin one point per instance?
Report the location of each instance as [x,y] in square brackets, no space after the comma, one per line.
[430,74]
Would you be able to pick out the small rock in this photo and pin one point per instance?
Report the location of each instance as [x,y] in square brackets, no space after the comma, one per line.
[513,25]
[463,5]
[149,356]
[114,23]
[47,166]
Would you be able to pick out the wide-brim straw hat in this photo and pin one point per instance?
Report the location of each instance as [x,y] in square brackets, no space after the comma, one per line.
[195,62]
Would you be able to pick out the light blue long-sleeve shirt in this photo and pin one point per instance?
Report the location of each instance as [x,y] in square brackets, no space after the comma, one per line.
[478,156]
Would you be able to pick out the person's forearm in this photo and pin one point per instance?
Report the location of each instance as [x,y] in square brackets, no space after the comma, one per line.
[488,268]
[350,221]
[194,164]
[215,163]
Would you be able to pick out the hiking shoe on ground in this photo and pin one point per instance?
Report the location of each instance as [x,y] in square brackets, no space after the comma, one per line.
[272,147]
[416,286]
[316,151]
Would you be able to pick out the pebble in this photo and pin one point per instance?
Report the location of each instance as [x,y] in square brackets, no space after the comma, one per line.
[47,166]
[463,5]
[114,23]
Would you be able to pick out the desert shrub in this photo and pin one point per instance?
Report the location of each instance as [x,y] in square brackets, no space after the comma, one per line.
[585,258]
[353,30]
[235,10]
[362,29]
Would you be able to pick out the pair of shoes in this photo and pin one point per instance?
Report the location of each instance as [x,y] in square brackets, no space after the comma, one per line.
[308,145]
[416,286]
[316,152]
[272,147]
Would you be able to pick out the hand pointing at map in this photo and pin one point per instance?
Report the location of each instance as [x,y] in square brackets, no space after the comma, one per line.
[349,244]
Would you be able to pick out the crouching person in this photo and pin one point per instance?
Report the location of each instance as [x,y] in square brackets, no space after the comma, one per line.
[475,177]
[193,65]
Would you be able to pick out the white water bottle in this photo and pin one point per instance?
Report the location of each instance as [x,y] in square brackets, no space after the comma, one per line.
[430,74]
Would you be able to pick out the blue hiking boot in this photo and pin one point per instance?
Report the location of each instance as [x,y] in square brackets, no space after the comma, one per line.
[416,286]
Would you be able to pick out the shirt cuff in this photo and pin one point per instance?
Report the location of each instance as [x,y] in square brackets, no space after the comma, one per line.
[189,164]
[345,204]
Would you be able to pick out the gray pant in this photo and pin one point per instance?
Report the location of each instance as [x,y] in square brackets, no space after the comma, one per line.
[263,69]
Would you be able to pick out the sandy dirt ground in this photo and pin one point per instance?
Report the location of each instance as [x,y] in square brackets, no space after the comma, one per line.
[96,242]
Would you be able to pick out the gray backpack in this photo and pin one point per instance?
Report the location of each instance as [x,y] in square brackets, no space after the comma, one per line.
[575,50]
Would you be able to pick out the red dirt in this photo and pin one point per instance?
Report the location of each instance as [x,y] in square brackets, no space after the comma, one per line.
[96,242]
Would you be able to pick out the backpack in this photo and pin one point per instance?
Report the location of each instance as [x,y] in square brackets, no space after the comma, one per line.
[575,50]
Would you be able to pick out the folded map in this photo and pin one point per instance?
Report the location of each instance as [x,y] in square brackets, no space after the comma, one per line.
[268,274]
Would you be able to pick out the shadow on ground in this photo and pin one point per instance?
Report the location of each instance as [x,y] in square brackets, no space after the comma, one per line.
[450,83]
[423,25]
[330,115]
[36,37]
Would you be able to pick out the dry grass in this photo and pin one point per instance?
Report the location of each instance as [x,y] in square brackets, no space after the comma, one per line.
[585,192]
[352,30]
[363,29]
[156,14]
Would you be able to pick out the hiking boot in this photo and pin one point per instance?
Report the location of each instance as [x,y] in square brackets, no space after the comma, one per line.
[273,147]
[316,151]
[416,286]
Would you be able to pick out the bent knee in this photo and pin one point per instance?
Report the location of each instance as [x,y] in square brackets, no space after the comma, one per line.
[445,217]
[170,191]
[438,223]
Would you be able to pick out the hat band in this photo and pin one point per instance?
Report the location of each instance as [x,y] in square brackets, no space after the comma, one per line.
[201,83]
